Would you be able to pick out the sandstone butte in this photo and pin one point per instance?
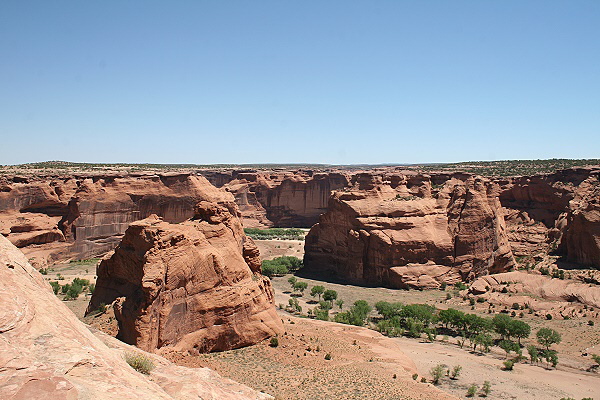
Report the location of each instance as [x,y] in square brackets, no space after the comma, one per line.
[194,286]
[395,230]
[47,353]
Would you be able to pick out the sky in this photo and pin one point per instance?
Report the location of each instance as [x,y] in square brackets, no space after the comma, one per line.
[333,82]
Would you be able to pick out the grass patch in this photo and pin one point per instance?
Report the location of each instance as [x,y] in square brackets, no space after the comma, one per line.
[139,362]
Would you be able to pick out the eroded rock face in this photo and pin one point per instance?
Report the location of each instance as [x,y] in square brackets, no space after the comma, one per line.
[559,210]
[47,353]
[408,230]
[280,198]
[194,286]
[91,212]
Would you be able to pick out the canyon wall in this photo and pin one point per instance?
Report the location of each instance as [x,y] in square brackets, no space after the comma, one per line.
[557,213]
[409,230]
[280,198]
[194,286]
[81,216]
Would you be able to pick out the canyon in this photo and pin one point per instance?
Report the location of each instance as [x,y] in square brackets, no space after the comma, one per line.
[53,216]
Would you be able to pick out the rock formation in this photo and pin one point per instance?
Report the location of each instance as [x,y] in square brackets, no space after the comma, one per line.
[86,215]
[53,216]
[194,286]
[559,211]
[280,198]
[409,230]
[47,353]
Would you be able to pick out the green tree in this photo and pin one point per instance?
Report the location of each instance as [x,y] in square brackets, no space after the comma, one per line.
[317,291]
[547,337]
[452,317]
[356,315]
[519,329]
[388,310]
[339,303]
[292,281]
[501,325]
[330,295]
[300,287]
[484,341]
[508,346]
[533,353]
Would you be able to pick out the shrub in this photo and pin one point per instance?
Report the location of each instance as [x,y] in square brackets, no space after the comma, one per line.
[486,389]
[274,342]
[55,287]
[139,362]
[460,286]
[328,356]
[339,303]
[455,372]
[472,390]
[437,373]
[415,376]
[596,358]
[548,316]
[508,365]
[91,288]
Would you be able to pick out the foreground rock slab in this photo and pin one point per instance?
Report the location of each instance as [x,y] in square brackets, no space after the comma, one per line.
[47,353]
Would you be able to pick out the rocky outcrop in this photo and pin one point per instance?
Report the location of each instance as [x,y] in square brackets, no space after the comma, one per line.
[194,286]
[558,211]
[280,198]
[47,353]
[91,212]
[542,294]
[408,230]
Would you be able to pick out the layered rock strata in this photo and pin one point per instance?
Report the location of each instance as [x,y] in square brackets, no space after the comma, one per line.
[47,353]
[82,216]
[557,212]
[194,286]
[409,230]
[280,198]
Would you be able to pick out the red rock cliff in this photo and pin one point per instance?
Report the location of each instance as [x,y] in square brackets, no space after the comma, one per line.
[194,286]
[399,231]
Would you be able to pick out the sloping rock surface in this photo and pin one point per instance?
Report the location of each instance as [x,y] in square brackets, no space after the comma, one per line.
[194,286]
[47,353]
[409,230]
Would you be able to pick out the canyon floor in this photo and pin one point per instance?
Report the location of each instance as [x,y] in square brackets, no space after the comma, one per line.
[363,363]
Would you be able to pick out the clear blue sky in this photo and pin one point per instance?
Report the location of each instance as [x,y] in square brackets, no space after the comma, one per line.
[298,81]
